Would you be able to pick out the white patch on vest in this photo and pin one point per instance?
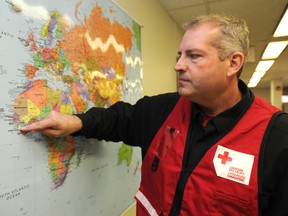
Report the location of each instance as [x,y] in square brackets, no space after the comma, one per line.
[233,165]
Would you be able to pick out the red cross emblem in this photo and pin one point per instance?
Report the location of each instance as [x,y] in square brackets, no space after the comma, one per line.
[225,157]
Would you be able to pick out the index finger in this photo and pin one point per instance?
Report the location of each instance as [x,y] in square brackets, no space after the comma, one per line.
[36,126]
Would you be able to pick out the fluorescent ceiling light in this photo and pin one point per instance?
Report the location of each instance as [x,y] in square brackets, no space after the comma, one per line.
[252,85]
[282,29]
[264,65]
[258,74]
[255,79]
[274,49]
[253,82]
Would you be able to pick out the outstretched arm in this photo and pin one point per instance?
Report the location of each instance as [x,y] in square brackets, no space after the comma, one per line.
[55,125]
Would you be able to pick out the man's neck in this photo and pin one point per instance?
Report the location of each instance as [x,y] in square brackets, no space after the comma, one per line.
[222,103]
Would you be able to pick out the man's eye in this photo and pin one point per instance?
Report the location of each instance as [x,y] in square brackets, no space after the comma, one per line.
[194,56]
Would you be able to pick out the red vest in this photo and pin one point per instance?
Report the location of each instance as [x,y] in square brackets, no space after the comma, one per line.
[225,181]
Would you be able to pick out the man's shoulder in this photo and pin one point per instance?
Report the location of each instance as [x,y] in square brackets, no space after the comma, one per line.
[166,98]
[157,105]
[169,95]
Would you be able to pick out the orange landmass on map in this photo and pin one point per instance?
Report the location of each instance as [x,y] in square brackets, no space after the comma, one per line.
[78,4]
[96,22]
[37,94]
[31,42]
[78,102]
[98,26]
[73,45]
[31,71]
[79,53]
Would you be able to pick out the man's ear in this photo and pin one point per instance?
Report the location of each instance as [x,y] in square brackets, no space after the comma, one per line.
[236,62]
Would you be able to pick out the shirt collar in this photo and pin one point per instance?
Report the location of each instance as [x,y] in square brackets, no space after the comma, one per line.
[230,116]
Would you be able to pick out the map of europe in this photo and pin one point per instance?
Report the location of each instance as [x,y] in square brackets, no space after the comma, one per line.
[66,56]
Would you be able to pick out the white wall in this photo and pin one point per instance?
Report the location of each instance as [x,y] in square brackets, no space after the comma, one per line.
[262,92]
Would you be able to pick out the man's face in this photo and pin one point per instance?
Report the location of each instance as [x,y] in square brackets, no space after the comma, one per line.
[201,74]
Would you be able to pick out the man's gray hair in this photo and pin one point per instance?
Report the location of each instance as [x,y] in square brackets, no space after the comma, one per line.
[233,37]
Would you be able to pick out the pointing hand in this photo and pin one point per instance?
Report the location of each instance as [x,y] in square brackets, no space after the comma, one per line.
[55,125]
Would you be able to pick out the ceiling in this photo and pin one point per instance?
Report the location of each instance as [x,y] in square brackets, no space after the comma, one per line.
[262,17]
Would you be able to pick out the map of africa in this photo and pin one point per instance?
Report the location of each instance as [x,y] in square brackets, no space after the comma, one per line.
[66,56]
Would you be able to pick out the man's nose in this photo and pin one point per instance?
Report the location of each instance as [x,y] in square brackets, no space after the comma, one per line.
[180,65]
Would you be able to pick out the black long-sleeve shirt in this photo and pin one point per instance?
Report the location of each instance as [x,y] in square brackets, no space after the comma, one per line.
[137,125]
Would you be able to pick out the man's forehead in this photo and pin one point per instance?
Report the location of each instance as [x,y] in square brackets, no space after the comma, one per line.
[201,34]
[198,42]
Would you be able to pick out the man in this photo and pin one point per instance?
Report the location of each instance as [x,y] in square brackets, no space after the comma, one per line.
[213,149]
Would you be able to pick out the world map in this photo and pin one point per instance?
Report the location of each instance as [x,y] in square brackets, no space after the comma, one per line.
[66,56]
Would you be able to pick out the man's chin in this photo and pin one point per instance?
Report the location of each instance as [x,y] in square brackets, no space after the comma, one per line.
[185,93]
[182,91]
